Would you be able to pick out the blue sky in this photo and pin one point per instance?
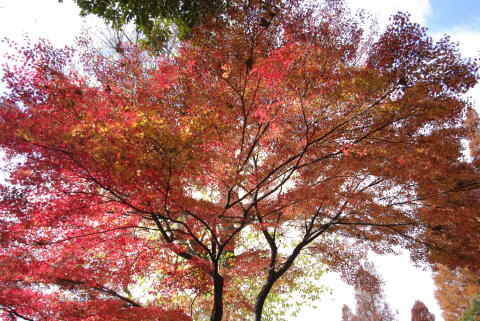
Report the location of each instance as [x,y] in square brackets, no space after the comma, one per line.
[447,14]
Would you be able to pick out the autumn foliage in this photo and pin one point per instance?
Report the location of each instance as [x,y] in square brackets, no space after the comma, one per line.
[456,288]
[141,182]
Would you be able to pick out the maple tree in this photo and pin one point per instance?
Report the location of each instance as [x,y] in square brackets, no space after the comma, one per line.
[141,182]
[420,312]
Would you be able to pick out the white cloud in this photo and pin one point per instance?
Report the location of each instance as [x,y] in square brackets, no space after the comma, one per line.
[469,41]
[469,45]
[468,38]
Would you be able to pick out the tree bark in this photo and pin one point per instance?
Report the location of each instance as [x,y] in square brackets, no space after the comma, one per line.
[262,296]
[218,282]
[273,276]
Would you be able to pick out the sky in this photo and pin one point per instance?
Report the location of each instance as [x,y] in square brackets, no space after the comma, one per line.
[458,18]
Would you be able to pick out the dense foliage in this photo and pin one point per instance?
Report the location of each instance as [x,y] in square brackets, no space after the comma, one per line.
[456,288]
[189,186]
[158,20]
[473,312]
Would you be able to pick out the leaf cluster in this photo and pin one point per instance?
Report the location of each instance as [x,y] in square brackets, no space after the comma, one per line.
[157,19]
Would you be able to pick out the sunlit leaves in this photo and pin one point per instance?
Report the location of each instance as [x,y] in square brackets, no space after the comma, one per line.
[144,178]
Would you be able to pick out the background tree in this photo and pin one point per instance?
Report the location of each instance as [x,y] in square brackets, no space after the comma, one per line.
[140,182]
[158,20]
[370,302]
[456,288]
[420,312]
[473,312]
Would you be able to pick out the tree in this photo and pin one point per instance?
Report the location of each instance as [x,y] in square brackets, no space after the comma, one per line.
[456,288]
[139,182]
[473,312]
[370,302]
[156,18]
[161,20]
[420,312]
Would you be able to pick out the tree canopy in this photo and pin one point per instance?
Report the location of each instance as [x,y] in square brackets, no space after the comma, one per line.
[473,312]
[456,288]
[156,18]
[188,186]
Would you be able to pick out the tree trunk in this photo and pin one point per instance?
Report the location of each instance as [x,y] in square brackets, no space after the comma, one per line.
[262,296]
[273,276]
[217,311]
